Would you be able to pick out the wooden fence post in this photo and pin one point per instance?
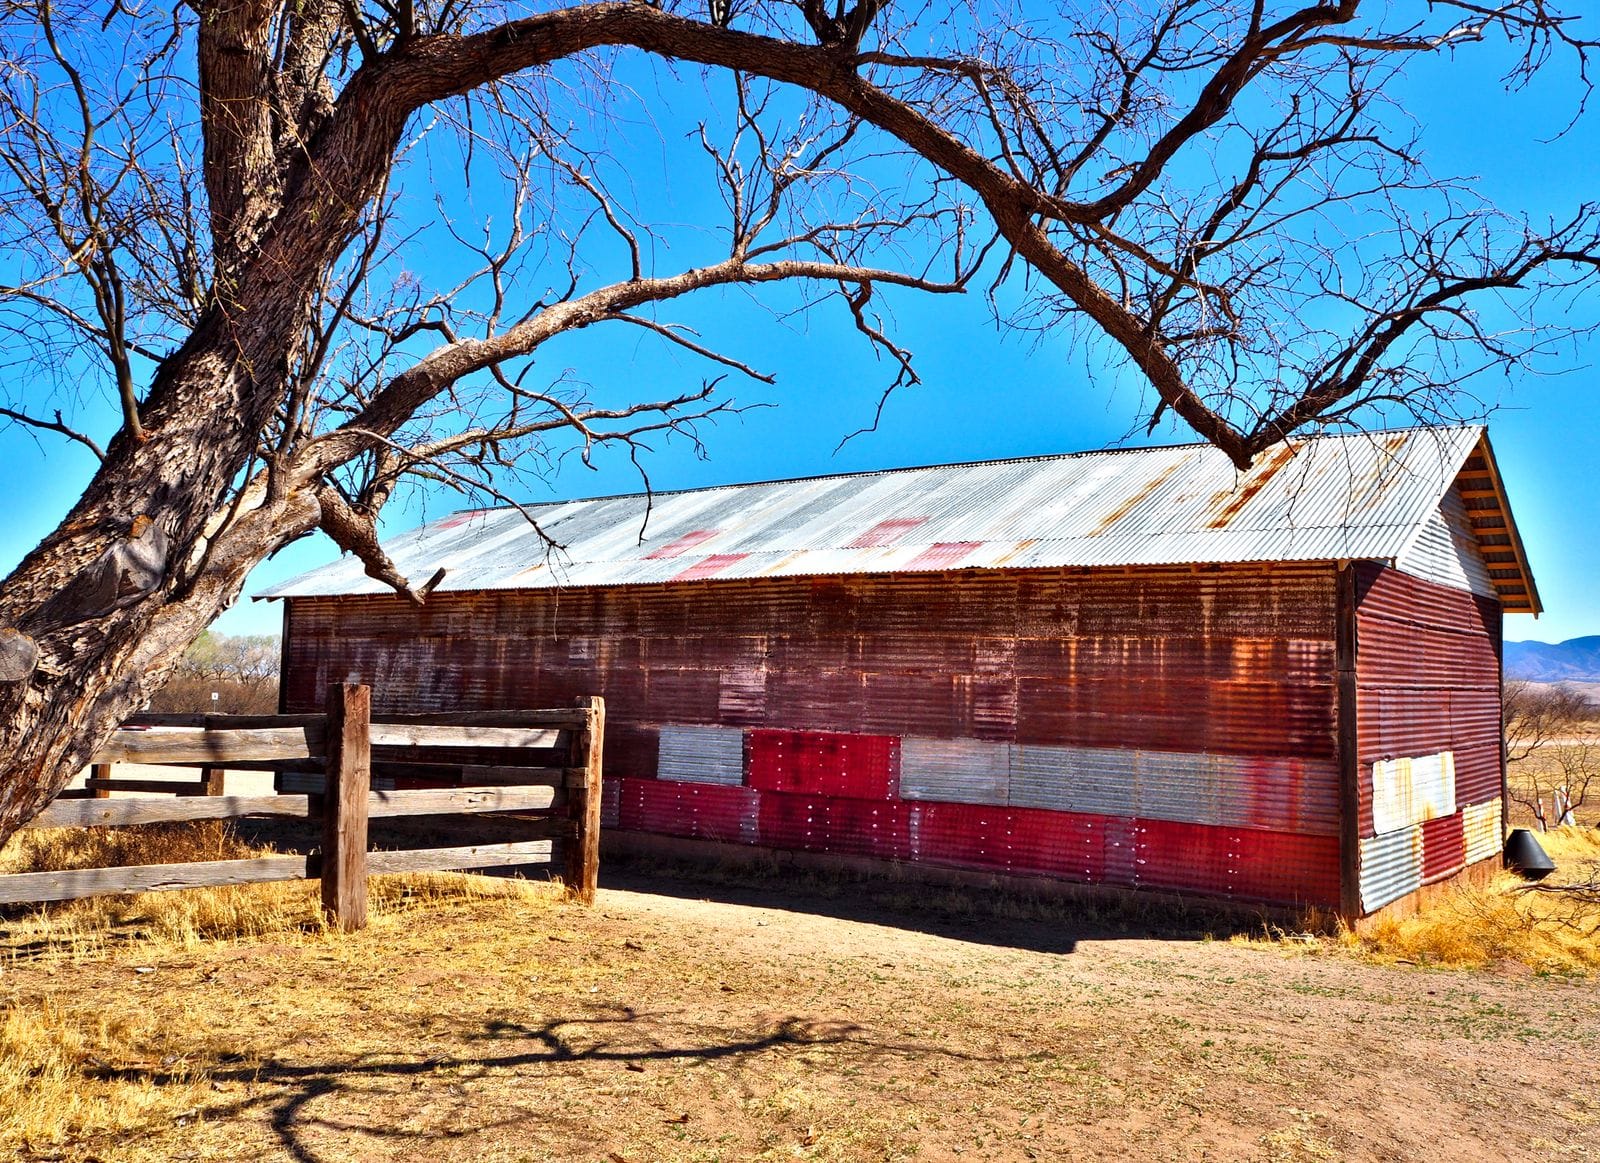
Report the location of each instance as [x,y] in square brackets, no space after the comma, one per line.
[100,771]
[344,806]
[211,781]
[583,847]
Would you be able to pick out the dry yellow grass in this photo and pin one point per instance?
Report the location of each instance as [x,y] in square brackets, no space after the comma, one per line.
[1503,921]
[56,1084]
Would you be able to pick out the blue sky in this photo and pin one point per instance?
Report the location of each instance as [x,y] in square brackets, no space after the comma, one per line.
[990,394]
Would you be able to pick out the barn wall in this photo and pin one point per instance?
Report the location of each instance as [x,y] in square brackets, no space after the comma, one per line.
[1170,727]
[1428,724]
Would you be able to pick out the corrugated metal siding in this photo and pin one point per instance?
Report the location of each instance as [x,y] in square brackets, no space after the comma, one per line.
[1481,829]
[1427,675]
[827,763]
[1412,789]
[1157,691]
[1242,865]
[1444,847]
[1391,867]
[698,810]
[1233,662]
[702,755]
[1446,551]
[966,771]
[1327,498]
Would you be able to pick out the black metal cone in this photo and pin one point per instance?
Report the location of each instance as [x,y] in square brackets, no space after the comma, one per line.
[1525,856]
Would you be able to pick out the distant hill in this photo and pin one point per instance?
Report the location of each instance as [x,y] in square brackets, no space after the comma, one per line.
[1575,660]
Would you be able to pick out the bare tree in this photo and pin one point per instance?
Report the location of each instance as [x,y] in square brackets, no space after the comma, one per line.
[1552,735]
[214,208]
[226,674]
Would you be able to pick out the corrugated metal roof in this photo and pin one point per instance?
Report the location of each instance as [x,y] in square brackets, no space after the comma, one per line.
[1360,496]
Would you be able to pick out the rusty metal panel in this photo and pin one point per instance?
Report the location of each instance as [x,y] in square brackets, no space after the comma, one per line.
[1481,831]
[702,755]
[1326,498]
[827,763]
[963,771]
[1428,681]
[1391,867]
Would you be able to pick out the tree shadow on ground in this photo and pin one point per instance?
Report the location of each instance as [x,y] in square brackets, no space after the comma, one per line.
[366,1097]
[999,916]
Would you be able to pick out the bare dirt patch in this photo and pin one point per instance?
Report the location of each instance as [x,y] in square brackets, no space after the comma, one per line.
[662,1026]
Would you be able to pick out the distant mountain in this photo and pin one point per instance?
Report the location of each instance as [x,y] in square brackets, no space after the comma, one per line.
[1575,660]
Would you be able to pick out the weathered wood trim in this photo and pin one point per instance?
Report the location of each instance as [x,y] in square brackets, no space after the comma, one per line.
[563,718]
[452,859]
[175,787]
[1345,651]
[423,735]
[453,800]
[344,819]
[152,810]
[212,748]
[31,887]
[583,803]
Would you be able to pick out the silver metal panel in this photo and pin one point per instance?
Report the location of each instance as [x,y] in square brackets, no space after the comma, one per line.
[1323,498]
[962,771]
[1391,867]
[1099,780]
[1172,785]
[1285,795]
[702,755]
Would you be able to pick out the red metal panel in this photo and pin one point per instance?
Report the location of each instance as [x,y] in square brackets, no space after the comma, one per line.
[969,835]
[825,763]
[1238,863]
[1070,845]
[1286,868]
[702,811]
[1444,847]
[610,802]
[795,822]
[652,805]
[880,828]
[886,533]
[1193,857]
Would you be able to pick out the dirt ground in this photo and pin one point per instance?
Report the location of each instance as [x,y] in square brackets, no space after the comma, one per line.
[682,1020]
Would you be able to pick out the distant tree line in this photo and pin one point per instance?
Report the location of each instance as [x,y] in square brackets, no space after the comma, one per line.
[225,674]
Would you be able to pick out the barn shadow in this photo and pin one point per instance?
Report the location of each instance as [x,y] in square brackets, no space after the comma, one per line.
[318,1110]
[1051,918]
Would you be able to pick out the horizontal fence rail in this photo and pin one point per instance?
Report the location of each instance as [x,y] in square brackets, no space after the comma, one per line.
[326,765]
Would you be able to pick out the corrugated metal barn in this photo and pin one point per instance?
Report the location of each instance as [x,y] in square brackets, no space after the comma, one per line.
[1137,668]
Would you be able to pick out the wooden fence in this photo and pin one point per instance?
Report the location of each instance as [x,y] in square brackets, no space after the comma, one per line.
[542,761]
